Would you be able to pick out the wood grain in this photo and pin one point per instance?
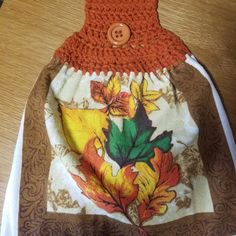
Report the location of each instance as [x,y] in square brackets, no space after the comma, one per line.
[30,31]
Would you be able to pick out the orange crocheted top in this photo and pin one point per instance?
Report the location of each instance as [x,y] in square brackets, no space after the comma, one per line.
[149,48]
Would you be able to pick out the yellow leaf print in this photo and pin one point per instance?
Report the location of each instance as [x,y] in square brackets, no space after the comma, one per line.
[81,125]
[113,87]
[135,90]
[146,97]
[146,181]
[155,185]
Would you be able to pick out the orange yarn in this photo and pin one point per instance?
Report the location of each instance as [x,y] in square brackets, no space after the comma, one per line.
[150,47]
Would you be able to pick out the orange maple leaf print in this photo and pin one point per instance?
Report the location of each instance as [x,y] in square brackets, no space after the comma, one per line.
[117,103]
[111,193]
[154,186]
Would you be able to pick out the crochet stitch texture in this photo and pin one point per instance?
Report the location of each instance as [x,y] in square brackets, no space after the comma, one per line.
[150,47]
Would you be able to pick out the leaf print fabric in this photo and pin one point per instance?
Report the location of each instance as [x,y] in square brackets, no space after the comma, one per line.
[112,193]
[154,193]
[116,193]
[133,143]
[125,155]
[80,126]
[144,96]
[117,103]
[146,170]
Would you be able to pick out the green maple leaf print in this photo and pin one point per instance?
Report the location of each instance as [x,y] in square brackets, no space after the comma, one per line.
[133,143]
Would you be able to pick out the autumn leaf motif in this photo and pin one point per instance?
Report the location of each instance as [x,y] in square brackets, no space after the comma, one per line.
[142,187]
[133,143]
[81,125]
[154,186]
[117,103]
[145,96]
[111,193]
[147,189]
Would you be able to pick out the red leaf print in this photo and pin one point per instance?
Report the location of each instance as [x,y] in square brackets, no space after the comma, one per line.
[98,92]
[117,103]
[112,193]
[120,104]
[166,175]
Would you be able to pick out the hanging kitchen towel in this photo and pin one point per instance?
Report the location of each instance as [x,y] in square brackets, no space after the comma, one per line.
[123,134]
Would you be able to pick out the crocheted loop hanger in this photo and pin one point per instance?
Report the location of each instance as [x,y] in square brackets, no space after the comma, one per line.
[150,46]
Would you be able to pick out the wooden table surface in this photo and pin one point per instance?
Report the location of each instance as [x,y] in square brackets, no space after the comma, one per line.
[30,31]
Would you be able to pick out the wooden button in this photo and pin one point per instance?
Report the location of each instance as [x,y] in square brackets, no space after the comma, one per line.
[118,34]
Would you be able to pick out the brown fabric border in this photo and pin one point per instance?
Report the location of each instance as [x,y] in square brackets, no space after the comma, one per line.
[33,216]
